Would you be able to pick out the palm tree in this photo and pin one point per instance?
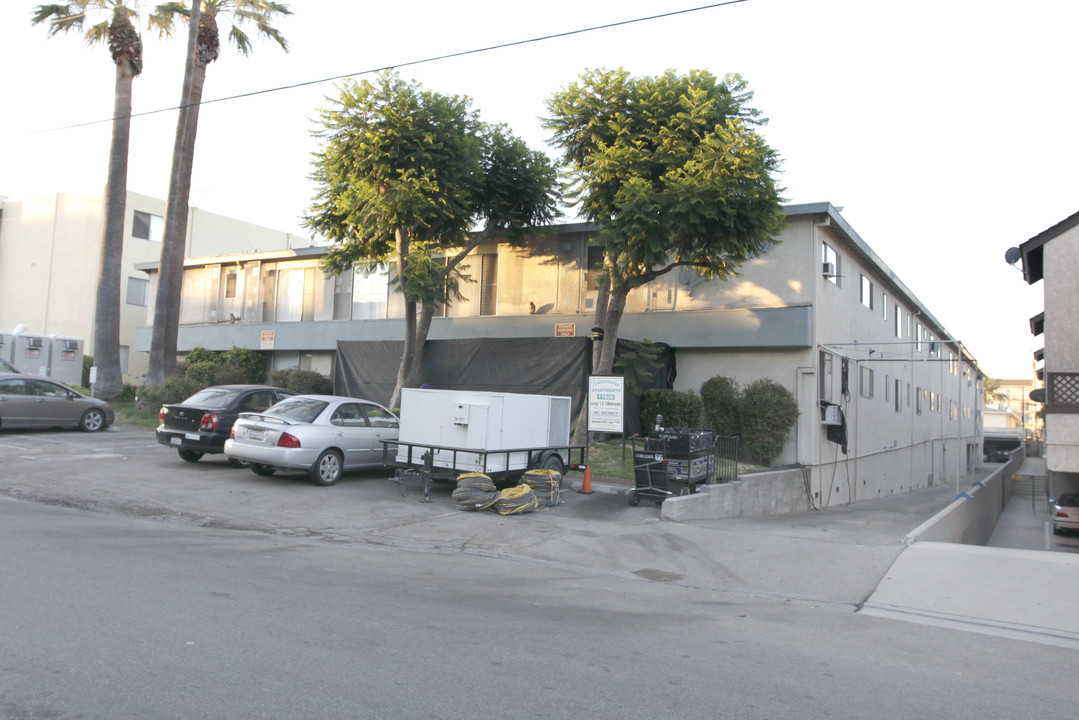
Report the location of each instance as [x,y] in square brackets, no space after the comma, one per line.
[204,47]
[125,44]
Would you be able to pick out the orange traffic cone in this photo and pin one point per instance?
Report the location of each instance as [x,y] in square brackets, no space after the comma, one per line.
[586,486]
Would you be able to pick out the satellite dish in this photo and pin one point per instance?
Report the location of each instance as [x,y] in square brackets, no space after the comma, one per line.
[1013,255]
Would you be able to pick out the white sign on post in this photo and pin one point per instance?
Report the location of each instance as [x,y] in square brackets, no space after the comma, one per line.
[606,403]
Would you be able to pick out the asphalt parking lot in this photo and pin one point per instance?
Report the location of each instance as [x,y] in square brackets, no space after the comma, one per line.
[124,470]
[848,557]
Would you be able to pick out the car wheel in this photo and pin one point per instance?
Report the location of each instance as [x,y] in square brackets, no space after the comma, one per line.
[263,470]
[238,463]
[92,420]
[189,455]
[327,468]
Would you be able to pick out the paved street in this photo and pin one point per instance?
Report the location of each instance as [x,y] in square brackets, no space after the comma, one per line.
[139,586]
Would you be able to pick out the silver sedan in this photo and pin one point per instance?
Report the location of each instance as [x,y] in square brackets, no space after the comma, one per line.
[320,434]
[35,402]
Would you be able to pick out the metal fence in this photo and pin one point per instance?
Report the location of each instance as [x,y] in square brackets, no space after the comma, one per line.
[726,450]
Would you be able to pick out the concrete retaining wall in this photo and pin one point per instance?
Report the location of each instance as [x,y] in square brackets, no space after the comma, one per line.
[777,492]
[970,520]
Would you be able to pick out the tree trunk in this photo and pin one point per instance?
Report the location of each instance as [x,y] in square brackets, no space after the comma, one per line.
[615,308]
[600,319]
[165,331]
[110,276]
[407,355]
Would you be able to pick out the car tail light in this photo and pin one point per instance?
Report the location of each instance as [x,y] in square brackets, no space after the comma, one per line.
[161,415]
[1061,514]
[232,433]
[289,441]
[209,421]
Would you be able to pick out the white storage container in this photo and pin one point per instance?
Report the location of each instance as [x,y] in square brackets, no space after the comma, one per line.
[462,427]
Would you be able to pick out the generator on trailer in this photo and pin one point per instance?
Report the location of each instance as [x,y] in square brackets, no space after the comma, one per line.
[445,433]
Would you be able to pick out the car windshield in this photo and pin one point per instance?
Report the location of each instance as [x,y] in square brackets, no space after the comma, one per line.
[214,397]
[298,409]
[6,367]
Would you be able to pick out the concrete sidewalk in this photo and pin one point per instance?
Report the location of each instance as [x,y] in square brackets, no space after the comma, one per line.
[1015,586]
[1023,594]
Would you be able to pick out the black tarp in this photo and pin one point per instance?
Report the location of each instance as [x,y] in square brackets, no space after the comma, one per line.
[535,366]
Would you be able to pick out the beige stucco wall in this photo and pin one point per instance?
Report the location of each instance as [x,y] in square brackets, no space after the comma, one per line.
[1060,261]
[50,250]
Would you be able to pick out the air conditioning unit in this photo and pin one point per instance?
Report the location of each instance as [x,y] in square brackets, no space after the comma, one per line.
[828,269]
[829,415]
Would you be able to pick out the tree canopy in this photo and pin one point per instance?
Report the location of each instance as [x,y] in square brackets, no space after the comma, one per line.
[404,176]
[673,170]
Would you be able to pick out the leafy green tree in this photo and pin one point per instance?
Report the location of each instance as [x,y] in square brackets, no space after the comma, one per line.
[204,47]
[403,177]
[125,45]
[673,171]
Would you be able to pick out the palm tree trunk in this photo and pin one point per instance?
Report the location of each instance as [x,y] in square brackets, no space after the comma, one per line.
[165,331]
[107,308]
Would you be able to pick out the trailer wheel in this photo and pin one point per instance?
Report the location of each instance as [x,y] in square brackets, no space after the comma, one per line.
[634,500]
[554,463]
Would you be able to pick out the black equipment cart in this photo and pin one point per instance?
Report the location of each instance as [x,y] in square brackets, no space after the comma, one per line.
[671,462]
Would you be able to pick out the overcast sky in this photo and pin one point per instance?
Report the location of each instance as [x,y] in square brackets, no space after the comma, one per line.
[944,129]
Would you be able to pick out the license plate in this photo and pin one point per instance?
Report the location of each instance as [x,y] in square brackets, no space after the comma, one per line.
[256,435]
[175,440]
[191,436]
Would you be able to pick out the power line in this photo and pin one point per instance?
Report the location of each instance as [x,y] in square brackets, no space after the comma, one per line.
[410,63]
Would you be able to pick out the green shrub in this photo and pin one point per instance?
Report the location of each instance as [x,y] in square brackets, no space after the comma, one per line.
[304,382]
[679,409]
[247,364]
[175,389]
[720,397]
[767,412]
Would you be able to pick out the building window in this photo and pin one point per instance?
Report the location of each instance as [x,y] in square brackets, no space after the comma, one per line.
[898,394]
[825,389]
[898,322]
[148,227]
[865,382]
[370,291]
[887,388]
[230,283]
[594,268]
[137,291]
[867,292]
[884,306]
[917,401]
[830,268]
[488,284]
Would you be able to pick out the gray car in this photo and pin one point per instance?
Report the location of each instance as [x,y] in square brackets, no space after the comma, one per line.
[35,402]
[322,435]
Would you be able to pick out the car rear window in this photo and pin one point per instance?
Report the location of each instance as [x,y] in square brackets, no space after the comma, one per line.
[1069,500]
[298,409]
[213,397]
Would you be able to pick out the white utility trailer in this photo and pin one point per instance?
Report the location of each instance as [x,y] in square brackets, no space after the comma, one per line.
[445,433]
